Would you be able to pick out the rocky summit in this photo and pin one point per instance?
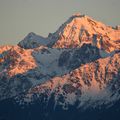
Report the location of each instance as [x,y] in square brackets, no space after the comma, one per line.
[72,74]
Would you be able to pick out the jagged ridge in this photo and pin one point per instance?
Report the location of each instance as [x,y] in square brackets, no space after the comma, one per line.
[78,66]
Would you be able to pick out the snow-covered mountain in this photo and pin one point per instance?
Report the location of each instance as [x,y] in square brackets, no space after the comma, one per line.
[80,29]
[33,40]
[76,31]
[74,73]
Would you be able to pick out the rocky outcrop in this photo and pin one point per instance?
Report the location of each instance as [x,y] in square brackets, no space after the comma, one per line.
[76,69]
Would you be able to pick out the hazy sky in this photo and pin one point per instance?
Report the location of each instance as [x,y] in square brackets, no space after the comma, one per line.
[19,17]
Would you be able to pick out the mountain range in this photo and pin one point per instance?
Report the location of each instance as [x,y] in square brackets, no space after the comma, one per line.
[72,74]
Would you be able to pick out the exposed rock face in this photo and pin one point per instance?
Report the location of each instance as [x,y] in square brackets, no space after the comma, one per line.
[118,27]
[17,61]
[5,48]
[91,82]
[76,69]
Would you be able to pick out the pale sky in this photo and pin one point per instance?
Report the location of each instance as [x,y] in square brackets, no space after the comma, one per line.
[19,17]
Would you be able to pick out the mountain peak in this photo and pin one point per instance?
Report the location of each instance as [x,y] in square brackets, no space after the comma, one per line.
[46,77]
[31,34]
[76,31]
[33,40]
[78,15]
[79,29]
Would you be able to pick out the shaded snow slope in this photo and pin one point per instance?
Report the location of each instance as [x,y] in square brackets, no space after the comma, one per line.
[33,40]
